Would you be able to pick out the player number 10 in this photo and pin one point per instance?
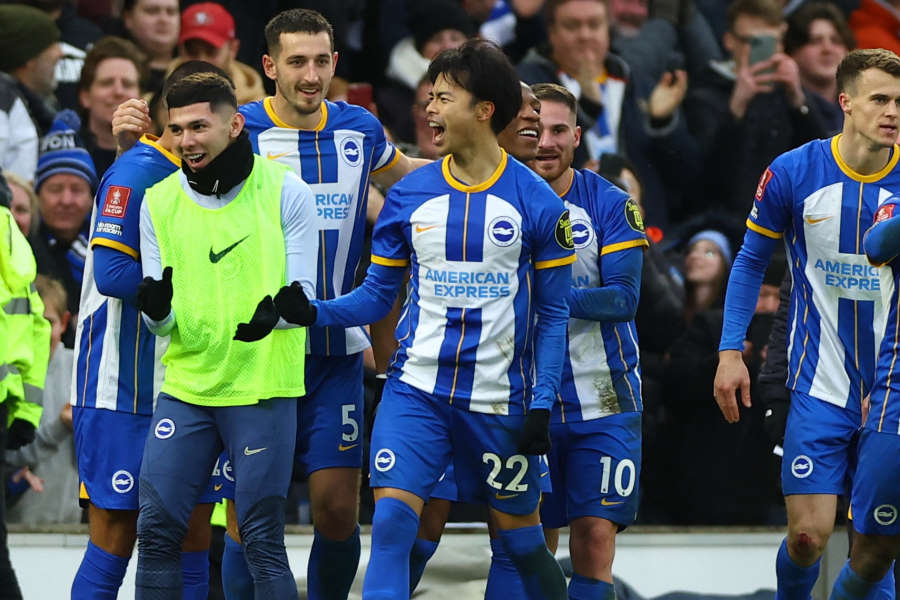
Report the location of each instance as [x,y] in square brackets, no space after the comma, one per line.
[624,464]
[516,461]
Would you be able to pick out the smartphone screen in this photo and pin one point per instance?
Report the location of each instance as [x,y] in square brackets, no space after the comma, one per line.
[762,47]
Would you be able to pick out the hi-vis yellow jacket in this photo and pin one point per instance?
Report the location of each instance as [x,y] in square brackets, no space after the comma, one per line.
[23,328]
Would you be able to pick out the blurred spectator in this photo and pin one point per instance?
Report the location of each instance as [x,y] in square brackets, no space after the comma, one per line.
[52,454]
[208,34]
[112,73]
[745,115]
[700,442]
[876,24]
[5,192]
[65,184]
[77,34]
[18,134]
[817,38]
[29,51]
[153,25]
[436,25]
[23,205]
[655,138]
[706,267]
[514,25]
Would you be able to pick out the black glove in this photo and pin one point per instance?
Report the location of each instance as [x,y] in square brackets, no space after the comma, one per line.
[775,421]
[154,296]
[535,436]
[261,323]
[20,432]
[294,306]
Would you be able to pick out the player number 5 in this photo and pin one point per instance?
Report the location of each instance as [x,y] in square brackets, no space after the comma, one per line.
[624,464]
[346,419]
[513,462]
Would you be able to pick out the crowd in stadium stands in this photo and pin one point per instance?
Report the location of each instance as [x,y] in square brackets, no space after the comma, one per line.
[675,107]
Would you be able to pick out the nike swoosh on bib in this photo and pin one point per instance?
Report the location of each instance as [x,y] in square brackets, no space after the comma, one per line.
[215,257]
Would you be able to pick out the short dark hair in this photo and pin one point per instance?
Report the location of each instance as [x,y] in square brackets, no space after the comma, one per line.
[296,20]
[112,47]
[553,92]
[857,61]
[550,7]
[202,87]
[767,10]
[799,23]
[482,69]
[189,67]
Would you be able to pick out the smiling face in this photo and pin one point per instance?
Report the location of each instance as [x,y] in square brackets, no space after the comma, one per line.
[302,68]
[871,106]
[559,138]
[115,81]
[201,134]
[819,58]
[451,114]
[64,201]
[520,138]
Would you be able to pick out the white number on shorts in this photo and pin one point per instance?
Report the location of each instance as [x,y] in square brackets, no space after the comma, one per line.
[346,419]
[624,464]
[513,462]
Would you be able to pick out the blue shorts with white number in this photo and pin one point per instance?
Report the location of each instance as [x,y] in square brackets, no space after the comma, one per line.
[109,447]
[330,415]
[819,447]
[446,488]
[221,484]
[416,435]
[595,467]
[876,488]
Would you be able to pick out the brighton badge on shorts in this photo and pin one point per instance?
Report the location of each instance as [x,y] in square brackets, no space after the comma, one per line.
[384,460]
[802,466]
[122,481]
[164,429]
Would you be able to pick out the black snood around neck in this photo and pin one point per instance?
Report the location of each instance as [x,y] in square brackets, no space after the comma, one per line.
[225,171]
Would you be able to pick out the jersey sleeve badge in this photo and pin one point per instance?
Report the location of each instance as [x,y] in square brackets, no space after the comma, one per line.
[633,215]
[116,201]
[884,212]
[763,182]
[564,232]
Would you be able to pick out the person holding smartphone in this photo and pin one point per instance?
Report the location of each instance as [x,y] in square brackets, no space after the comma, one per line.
[756,96]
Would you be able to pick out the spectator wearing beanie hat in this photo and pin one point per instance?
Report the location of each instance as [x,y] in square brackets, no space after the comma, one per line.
[208,34]
[29,51]
[65,183]
[436,25]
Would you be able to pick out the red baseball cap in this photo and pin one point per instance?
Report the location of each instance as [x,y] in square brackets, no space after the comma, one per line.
[207,21]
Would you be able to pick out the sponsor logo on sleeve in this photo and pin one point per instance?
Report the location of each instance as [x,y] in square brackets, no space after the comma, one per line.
[116,201]
[885,212]
[633,215]
[563,232]
[763,182]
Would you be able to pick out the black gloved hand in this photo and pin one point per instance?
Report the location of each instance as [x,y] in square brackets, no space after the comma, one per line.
[775,421]
[261,324]
[294,306]
[154,296]
[535,436]
[20,432]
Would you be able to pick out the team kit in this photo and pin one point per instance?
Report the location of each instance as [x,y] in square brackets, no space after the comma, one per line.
[513,378]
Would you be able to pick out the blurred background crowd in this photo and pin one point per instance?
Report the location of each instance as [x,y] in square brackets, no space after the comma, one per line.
[678,106]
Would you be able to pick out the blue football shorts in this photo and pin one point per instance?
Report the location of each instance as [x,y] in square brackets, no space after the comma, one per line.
[595,469]
[819,447]
[416,435]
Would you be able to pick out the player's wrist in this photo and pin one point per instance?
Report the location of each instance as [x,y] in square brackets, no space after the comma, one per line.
[730,354]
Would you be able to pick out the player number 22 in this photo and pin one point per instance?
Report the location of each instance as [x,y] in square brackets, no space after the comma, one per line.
[346,419]
[516,461]
[626,464]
